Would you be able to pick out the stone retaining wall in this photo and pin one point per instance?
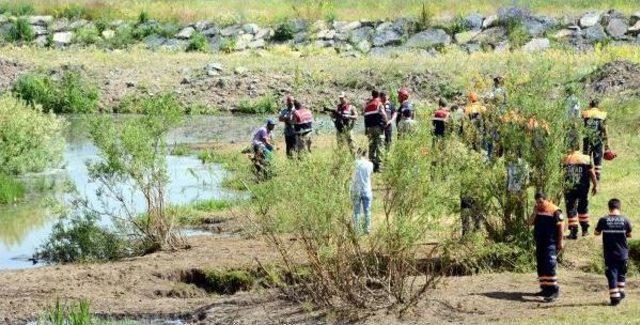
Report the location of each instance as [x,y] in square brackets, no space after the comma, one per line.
[508,29]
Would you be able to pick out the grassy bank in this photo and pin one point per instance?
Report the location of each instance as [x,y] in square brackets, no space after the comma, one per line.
[270,11]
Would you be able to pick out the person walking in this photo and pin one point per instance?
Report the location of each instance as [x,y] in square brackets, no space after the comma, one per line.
[344,117]
[596,140]
[615,229]
[548,233]
[375,120]
[362,193]
[579,175]
[286,117]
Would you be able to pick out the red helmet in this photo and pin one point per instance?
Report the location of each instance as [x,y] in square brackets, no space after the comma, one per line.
[610,155]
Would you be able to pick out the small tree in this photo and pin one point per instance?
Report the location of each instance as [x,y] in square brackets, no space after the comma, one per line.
[135,151]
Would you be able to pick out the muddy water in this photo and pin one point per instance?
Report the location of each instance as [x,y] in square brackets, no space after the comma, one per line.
[24,227]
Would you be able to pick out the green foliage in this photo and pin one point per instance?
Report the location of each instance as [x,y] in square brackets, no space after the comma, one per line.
[60,314]
[516,32]
[123,38]
[136,151]
[16,9]
[68,94]
[72,11]
[229,282]
[634,250]
[425,18]
[265,104]
[283,32]
[198,43]
[181,150]
[21,30]
[227,44]
[143,17]
[79,238]
[30,141]
[212,205]
[11,189]
[87,35]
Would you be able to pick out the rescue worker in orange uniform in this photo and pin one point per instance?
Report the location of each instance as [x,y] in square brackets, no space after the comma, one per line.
[596,140]
[548,234]
[579,172]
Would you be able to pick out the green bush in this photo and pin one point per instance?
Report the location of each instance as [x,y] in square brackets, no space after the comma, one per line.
[228,282]
[143,17]
[11,189]
[87,35]
[16,9]
[123,38]
[198,43]
[69,94]
[283,32]
[30,140]
[79,238]
[227,44]
[516,32]
[21,30]
[264,105]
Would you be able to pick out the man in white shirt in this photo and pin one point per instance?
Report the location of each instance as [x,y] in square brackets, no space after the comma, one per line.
[362,192]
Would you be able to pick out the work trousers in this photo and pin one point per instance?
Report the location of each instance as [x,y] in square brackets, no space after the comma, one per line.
[547,260]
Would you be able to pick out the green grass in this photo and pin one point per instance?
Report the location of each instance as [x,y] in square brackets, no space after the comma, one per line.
[194,213]
[270,11]
[11,189]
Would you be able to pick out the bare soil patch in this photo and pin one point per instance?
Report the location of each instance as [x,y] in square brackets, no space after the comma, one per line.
[618,76]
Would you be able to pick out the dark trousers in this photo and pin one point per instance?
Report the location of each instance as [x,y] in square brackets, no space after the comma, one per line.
[547,260]
[595,149]
[388,136]
[616,272]
[290,144]
[471,217]
[577,204]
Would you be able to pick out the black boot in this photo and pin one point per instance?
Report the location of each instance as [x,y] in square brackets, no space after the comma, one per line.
[615,301]
[573,233]
[585,229]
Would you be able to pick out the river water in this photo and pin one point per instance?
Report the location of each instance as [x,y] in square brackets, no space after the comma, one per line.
[25,226]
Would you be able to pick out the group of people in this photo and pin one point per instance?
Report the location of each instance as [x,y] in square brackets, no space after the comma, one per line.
[479,122]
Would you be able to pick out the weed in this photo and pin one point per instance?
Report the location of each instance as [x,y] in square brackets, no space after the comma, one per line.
[181,150]
[17,9]
[143,17]
[283,32]
[20,30]
[87,35]
[227,44]
[60,314]
[198,43]
[424,18]
[265,104]
[516,32]
[72,11]
[11,189]
[225,282]
[79,238]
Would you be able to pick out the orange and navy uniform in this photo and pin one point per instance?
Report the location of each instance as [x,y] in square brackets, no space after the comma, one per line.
[547,225]
[595,139]
[578,169]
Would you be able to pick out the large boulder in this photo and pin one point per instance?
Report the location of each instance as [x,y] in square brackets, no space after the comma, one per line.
[39,30]
[81,23]
[211,31]
[635,29]
[617,27]
[250,28]
[202,25]
[175,44]
[363,46]
[589,19]
[595,34]
[3,19]
[492,36]
[474,21]
[299,25]
[326,34]
[232,30]
[152,41]
[513,14]
[490,21]
[634,18]
[388,36]
[108,34]
[428,39]
[466,37]
[242,41]
[40,20]
[344,27]
[361,34]
[536,26]
[59,25]
[565,33]
[62,38]
[186,33]
[537,45]
[257,44]
[263,33]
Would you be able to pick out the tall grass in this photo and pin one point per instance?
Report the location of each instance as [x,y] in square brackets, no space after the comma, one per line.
[11,189]
[269,11]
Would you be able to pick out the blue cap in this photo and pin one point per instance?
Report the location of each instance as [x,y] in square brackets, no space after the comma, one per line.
[271,122]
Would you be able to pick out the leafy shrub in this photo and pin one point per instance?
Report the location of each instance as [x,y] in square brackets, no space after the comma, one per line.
[198,43]
[11,189]
[21,30]
[87,35]
[79,238]
[122,39]
[143,17]
[264,105]
[16,9]
[458,25]
[31,141]
[425,19]
[516,32]
[283,32]
[135,151]
[227,44]
[69,94]
[229,282]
